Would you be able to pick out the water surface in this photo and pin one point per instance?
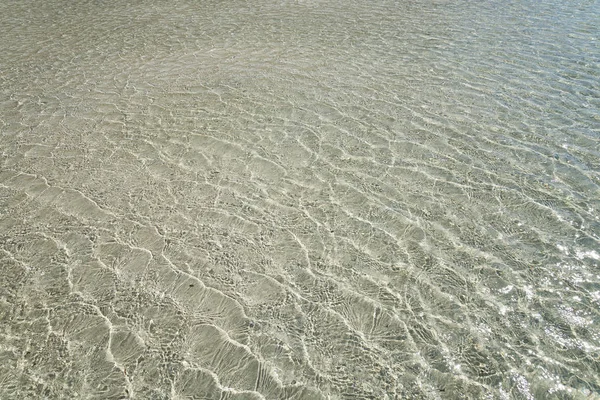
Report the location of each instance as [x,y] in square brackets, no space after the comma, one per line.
[299,199]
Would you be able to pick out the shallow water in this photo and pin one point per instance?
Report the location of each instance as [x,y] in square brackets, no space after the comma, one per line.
[299,199]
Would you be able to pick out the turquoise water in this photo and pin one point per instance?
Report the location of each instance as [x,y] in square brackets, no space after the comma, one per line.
[300,199]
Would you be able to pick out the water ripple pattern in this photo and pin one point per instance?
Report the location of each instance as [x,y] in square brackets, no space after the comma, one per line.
[299,199]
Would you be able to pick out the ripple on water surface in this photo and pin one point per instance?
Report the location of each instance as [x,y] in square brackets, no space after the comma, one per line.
[299,199]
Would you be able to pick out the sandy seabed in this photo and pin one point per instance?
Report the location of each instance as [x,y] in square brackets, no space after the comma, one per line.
[299,200]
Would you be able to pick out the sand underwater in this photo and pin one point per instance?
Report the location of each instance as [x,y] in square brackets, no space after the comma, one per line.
[299,199]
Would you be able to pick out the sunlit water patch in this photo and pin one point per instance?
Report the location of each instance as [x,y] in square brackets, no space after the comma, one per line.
[300,199]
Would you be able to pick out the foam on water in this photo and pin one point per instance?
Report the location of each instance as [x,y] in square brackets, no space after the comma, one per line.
[299,199]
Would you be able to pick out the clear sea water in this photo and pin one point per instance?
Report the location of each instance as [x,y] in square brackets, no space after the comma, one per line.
[307,199]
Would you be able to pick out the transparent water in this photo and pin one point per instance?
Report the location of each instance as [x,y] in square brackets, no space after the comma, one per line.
[299,199]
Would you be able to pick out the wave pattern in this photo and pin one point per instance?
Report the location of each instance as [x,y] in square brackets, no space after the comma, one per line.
[300,200]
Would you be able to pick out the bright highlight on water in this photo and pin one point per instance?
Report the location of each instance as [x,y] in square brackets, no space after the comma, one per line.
[300,199]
